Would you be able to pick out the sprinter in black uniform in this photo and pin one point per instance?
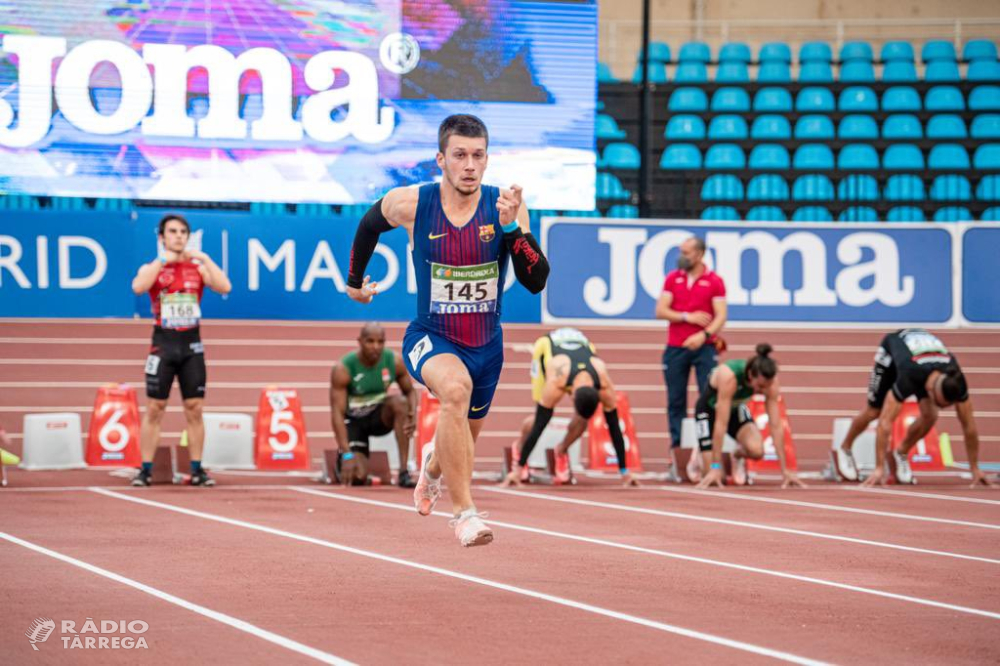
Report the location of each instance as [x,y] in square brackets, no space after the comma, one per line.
[911,362]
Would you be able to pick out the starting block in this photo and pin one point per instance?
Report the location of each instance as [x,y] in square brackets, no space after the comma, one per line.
[379,472]
[170,464]
[228,441]
[52,441]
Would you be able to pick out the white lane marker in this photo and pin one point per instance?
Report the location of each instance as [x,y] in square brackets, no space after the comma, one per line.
[911,493]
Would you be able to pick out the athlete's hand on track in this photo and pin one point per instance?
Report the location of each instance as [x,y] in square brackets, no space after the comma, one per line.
[366,293]
[876,478]
[980,479]
[513,478]
[699,318]
[713,478]
[410,426]
[630,481]
[792,480]
[508,204]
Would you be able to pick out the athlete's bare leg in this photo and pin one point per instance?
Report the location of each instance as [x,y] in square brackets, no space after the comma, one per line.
[858,425]
[751,442]
[195,426]
[447,377]
[149,432]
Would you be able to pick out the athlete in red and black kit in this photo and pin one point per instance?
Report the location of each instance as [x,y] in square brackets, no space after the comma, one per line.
[175,282]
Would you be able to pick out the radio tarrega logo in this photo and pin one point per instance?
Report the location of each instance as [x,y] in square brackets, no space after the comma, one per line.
[92,635]
[39,631]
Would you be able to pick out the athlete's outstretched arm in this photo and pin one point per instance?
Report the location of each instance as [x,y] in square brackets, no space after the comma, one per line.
[971,434]
[883,438]
[789,478]
[530,265]
[340,379]
[396,209]
[725,390]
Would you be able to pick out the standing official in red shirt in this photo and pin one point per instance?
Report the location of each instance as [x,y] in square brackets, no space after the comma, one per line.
[694,302]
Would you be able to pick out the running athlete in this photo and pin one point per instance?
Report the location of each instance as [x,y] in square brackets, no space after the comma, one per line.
[360,407]
[722,408]
[454,347]
[565,362]
[175,282]
[911,362]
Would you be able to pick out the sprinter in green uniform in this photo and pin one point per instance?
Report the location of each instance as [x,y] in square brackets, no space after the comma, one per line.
[722,409]
[360,406]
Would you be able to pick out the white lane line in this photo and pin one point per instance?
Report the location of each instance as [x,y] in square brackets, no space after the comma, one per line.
[229,620]
[561,601]
[826,507]
[676,556]
[734,523]
[910,493]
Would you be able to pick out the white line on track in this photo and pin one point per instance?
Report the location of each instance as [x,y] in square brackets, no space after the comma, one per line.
[561,601]
[910,493]
[825,507]
[675,556]
[233,622]
[734,523]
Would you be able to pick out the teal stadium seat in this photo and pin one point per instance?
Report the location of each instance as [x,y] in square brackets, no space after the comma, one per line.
[904,187]
[657,73]
[770,127]
[953,214]
[897,51]
[944,98]
[985,98]
[942,71]
[990,214]
[722,187]
[605,127]
[905,214]
[951,187]
[987,157]
[902,157]
[946,126]
[625,211]
[979,49]
[688,99]
[900,98]
[766,214]
[774,52]
[815,52]
[767,187]
[731,99]
[772,100]
[735,52]
[608,187]
[985,126]
[720,213]
[732,72]
[815,72]
[813,187]
[857,187]
[774,72]
[899,72]
[989,188]
[858,214]
[681,156]
[814,99]
[604,74]
[851,51]
[621,156]
[948,156]
[657,52]
[902,126]
[691,72]
[769,157]
[814,127]
[724,156]
[855,127]
[938,50]
[685,127]
[728,128]
[858,98]
[857,72]
[857,156]
[813,157]
[695,52]
[983,70]
[812,214]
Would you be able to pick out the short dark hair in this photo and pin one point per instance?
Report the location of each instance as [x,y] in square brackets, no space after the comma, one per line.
[462,124]
[173,216]
[585,400]
[699,243]
[954,388]
[762,365]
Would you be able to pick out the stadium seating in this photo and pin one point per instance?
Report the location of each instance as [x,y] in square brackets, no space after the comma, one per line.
[722,213]
[685,127]
[903,126]
[905,214]
[767,214]
[728,128]
[772,127]
[722,187]
[767,187]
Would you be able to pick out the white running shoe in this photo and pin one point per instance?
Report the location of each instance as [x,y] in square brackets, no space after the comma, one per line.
[739,470]
[427,491]
[846,467]
[471,530]
[902,469]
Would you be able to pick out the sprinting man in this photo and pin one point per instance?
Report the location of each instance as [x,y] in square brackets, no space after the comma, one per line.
[360,406]
[565,362]
[175,282]
[461,234]
[911,362]
[722,408]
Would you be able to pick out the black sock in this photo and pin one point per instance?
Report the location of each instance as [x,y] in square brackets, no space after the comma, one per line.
[196,467]
[147,467]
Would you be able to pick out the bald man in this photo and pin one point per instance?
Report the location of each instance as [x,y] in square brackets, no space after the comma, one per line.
[360,406]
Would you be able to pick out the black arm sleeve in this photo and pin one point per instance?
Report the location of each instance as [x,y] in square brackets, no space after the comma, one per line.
[530,265]
[372,224]
[542,417]
[617,439]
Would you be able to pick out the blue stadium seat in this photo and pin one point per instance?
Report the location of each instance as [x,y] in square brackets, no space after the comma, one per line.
[775,52]
[814,127]
[899,72]
[815,72]
[657,73]
[858,98]
[605,127]
[772,100]
[857,127]
[894,51]
[583,213]
[953,214]
[857,187]
[769,156]
[905,214]
[695,52]
[730,99]
[857,156]
[987,156]
[813,187]
[658,52]
[814,99]
[948,156]
[774,72]
[979,49]
[19,202]
[858,214]
[125,205]
[770,126]
[856,51]
[951,188]
[902,157]
[312,210]
[902,126]
[986,126]
[766,214]
[604,74]
[691,72]
[722,187]
[942,71]
[813,156]
[944,98]
[812,214]
[857,72]
[983,70]
[767,187]
[946,126]
[725,156]
[985,98]
[815,52]
[625,211]
[989,215]
[621,156]
[900,98]
[688,99]
[732,72]
[685,127]
[70,204]
[609,187]
[728,127]
[720,213]
[904,187]
[735,52]
[681,156]
[938,50]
